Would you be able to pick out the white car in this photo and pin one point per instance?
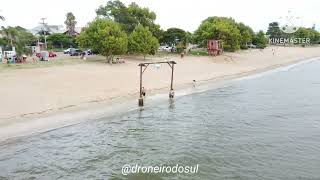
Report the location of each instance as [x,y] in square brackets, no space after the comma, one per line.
[251,46]
[165,48]
[67,51]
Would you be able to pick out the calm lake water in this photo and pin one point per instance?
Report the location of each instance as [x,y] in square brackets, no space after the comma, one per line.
[262,127]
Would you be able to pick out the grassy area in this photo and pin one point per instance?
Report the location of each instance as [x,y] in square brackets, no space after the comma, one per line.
[62,60]
[193,52]
[38,64]
[58,61]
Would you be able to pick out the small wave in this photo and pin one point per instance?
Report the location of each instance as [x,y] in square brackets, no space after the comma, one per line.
[279,69]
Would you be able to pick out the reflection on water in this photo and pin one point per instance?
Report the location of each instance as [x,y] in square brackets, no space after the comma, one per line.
[261,128]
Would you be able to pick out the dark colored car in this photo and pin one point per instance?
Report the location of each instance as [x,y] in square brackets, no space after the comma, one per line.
[75,52]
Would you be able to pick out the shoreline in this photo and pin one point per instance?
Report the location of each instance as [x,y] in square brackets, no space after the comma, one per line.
[95,109]
[81,114]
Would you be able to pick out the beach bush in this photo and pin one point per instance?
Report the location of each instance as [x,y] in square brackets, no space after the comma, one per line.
[141,41]
[303,32]
[310,33]
[219,28]
[104,36]
[247,35]
[260,40]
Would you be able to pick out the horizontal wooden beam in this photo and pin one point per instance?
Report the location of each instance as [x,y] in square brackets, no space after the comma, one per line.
[160,62]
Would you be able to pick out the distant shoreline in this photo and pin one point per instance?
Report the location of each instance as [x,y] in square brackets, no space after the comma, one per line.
[60,115]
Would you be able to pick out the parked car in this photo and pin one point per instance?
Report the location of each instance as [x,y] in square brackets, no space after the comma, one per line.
[251,46]
[75,52]
[67,51]
[89,52]
[43,55]
[38,55]
[165,48]
[52,54]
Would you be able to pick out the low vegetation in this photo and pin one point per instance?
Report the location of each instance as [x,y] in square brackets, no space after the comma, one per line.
[130,29]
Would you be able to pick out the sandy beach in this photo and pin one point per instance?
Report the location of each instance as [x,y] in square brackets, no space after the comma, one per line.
[28,94]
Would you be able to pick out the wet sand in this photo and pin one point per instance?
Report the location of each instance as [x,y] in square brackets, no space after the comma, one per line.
[34,98]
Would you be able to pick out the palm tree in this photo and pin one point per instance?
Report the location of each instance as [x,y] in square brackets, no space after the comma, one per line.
[10,34]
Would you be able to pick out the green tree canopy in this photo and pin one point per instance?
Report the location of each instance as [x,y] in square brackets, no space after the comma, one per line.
[104,36]
[60,40]
[310,33]
[260,40]
[174,36]
[247,35]
[274,30]
[130,17]
[142,41]
[190,37]
[17,37]
[9,35]
[219,28]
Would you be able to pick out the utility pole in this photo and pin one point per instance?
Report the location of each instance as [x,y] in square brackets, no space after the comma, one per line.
[44,31]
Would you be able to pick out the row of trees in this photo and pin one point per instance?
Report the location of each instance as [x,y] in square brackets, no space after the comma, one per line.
[274,31]
[122,29]
[234,35]
[61,40]
[107,37]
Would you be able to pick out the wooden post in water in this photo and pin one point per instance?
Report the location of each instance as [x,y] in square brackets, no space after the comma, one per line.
[172,69]
[141,103]
[145,65]
[171,93]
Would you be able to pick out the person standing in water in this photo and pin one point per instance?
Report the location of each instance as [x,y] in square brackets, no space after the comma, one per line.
[171,94]
[143,92]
